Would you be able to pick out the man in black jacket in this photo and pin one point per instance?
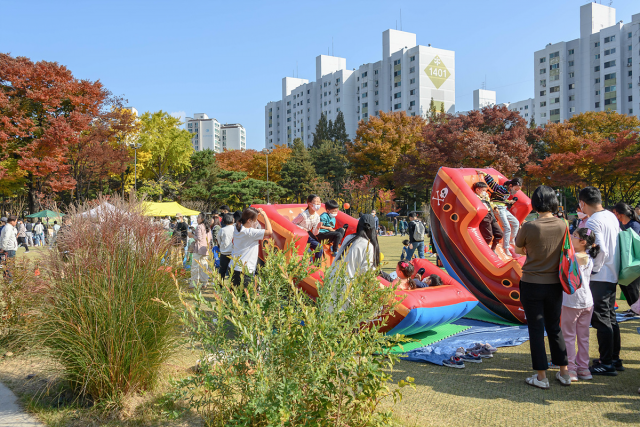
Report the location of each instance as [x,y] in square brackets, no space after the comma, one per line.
[181,229]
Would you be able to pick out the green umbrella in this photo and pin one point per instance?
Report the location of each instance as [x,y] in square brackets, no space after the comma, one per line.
[45,214]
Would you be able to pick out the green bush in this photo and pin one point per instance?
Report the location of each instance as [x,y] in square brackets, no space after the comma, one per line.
[273,356]
[101,318]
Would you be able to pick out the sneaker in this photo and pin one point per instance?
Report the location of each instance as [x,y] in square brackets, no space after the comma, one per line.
[484,353]
[471,357]
[489,347]
[460,352]
[564,379]
[573,375]
[534,381]
[453,362]
[585,375]
[600,369]
[617,363]
[478,346]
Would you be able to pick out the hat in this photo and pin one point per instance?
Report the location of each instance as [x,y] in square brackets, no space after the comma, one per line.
[368,221]
[3,219]
[178,214]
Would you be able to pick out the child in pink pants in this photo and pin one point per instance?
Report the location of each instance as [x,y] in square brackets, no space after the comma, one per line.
[577,308]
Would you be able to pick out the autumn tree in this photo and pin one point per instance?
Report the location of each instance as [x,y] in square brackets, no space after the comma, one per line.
[257,166]
[361,193]
[380,142]
[236,160]
[44,110]
[298,171]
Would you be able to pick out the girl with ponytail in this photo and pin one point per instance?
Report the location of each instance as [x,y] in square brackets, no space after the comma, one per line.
[578,308]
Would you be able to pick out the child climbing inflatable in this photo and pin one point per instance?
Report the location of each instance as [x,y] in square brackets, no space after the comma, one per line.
[456,214]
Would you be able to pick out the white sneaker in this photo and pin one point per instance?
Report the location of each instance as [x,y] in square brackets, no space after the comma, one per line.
[534,381]
[460,352]
[564,379]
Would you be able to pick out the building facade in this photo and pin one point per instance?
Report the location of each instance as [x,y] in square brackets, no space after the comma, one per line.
[526,108]
[600,71]
[209,134]
[406,79]
[483,98]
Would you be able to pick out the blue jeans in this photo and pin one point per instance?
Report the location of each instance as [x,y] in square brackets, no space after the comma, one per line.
[416,245]
[510,226]
[11,254]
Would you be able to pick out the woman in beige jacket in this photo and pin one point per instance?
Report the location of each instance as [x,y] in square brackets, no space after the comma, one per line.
[200,261]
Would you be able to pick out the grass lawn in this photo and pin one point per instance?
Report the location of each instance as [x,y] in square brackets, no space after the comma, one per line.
[492,393]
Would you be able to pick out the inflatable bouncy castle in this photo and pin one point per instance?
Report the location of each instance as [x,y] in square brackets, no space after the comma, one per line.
[456,212]
[420,310]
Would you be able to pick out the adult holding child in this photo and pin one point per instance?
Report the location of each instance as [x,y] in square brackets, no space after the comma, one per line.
[541,240]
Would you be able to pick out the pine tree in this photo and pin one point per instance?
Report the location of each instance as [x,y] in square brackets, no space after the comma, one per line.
[330,163]
[442,108]
[298,171]
[340,129]
[432,110]
[322,131]
[329,131]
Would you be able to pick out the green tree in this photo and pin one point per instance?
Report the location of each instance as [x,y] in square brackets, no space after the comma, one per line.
[330,162]
[322,130]
[433,112]
[234,188]
[166,149]
[197,182]
[340,129]
[298,172]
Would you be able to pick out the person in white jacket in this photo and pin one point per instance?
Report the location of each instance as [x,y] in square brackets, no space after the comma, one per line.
[9,237]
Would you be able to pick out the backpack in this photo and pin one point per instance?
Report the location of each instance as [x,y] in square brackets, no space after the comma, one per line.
[569,269]
[418,232]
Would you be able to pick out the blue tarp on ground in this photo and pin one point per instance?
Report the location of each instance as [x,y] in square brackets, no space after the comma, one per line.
[496,335]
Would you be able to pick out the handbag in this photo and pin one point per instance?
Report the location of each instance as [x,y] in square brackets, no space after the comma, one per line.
[569,270]
[629,257]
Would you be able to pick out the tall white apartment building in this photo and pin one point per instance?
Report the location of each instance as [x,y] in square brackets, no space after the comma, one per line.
[483,98]
[600,71]
[209,134]
[406,79]
[234,137]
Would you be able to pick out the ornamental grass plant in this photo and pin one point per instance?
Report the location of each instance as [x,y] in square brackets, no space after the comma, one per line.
[100,318]
[273,356]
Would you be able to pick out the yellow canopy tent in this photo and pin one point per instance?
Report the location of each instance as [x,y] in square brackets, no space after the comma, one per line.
[167,209]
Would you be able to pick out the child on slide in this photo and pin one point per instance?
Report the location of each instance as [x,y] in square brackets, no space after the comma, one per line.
[499,196]
[489,228]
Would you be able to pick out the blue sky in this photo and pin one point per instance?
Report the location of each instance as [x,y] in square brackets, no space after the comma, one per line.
[227,59]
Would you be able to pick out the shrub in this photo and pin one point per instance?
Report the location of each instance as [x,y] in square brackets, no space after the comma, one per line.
[102,320]
[273,356]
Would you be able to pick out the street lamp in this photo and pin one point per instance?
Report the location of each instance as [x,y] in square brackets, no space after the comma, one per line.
[135,147]
[267,151]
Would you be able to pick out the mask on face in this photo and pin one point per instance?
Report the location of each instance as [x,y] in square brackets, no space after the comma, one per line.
[316,207]
[483,194]
[333,215]
[582,215]
[512,191]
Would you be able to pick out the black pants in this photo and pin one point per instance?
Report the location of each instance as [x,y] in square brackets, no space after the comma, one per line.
[335,237]
[631,292]
[542,305]
[22,241]
[224,265]
[490,230]
[238,277]
[604,320]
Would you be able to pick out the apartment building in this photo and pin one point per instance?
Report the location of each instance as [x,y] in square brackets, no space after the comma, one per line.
[234,137]
[406,79]
[600,71]
[210,134]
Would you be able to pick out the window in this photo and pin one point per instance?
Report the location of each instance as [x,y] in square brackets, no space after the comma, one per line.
[630,110]
[570,63]
[412,81]
[289,111]
[571,75]
[610,51]
[397,95]
[413,58]
[325,93]
[364,74]
[609,39]
[337,91]
[397,73]
[337,99]
[397,84]
[412,103]
[526,107]
[596,68]
[325,84]
[365,94]
[543,92]
[376,103]
[553,78]
[543,70]
[630,73]
[337,111]
[397,106]
[325,103]
[554,112]
[630,47]
[628,35]
[597,81]
[609,101]
[554,101]
[543,114]
[364,85]
[376,94]
[412,69]
[288,119]
[554,89]
[412,92]
[596,44]
[543,83]
[554,55]
[572,109]
[628,62]
[572,97]
[554,66]
[609,89]
[598,104]
[375,72]
[630,98]
[570,52]
[572,86]
[309,91]
[396,62]
[365,105]
[597,56]
[630,85]
[543,60]
[288,102]
[597,93]
[543,104]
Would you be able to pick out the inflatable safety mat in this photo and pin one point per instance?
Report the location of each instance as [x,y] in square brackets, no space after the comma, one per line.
[426,338]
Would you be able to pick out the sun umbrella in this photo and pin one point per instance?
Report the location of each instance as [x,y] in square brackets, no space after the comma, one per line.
[46,214]
[392,214]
